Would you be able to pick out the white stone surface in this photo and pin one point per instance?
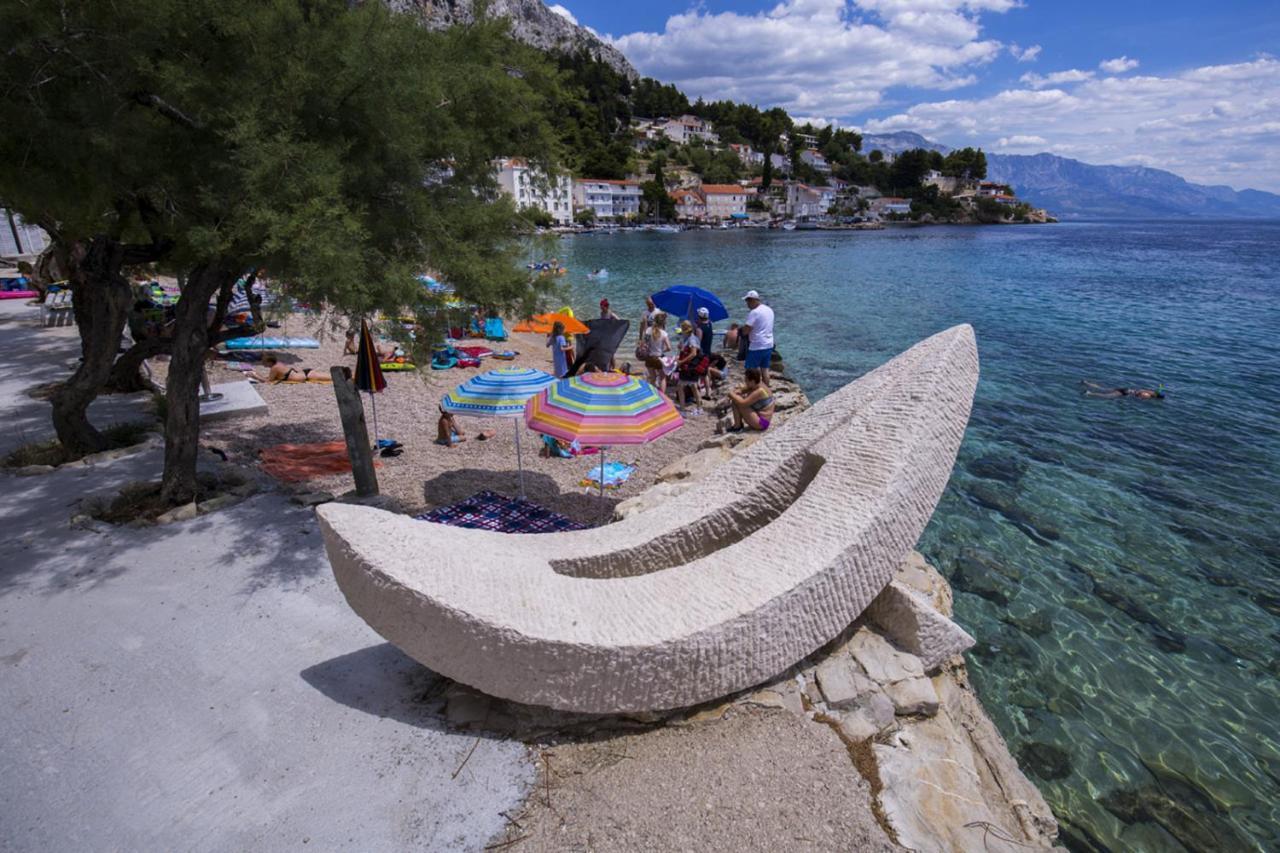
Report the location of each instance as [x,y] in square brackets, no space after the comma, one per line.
[910,620]
[771,556]
[881,660]
[238,398]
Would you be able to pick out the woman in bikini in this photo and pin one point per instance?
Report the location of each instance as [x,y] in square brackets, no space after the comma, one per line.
[753,403]
[277,372]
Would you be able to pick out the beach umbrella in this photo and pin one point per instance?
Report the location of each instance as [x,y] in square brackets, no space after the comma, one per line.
[602,410]
[543,323]
[684,300]
[500,393]
[369,376]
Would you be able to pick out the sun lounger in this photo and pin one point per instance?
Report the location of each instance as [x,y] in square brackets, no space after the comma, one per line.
[57,310]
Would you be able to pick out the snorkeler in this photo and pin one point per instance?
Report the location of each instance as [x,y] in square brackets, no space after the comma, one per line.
[1093,389]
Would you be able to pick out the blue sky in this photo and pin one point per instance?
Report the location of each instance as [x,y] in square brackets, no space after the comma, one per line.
[1190,87]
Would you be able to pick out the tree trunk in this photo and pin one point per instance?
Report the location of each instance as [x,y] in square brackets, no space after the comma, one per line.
[101,297]
[190,344]
[126,374]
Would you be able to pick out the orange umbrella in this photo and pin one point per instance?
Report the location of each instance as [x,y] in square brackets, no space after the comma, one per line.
[543,323]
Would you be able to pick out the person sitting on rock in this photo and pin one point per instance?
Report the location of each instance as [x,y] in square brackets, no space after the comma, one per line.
[753,403]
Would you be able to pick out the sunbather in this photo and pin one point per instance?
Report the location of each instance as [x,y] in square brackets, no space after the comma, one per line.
[278,372]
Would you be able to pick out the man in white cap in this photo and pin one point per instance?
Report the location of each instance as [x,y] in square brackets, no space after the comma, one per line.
[706,333]
[759,330]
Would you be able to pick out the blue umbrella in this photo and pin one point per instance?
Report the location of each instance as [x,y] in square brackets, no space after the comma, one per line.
[683,300]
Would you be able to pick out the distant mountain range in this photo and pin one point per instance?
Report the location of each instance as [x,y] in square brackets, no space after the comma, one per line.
[1071,189]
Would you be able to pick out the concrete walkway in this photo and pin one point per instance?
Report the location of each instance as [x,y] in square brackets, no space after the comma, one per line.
[203,686]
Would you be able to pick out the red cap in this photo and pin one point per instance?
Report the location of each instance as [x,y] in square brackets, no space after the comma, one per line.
[604,303]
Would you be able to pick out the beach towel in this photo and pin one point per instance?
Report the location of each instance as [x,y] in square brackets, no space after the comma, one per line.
[475,352]
[398,365]
[468,362]
[272,343]
[506,355]
[615,474]
[293,463]
[19,294]
[491,511]
[494,330]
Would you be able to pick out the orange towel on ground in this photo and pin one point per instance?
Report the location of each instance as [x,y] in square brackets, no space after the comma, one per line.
[293,463]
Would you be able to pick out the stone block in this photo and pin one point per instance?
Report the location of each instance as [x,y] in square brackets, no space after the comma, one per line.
[772,555]
[913,697]
[238,398]
[881,660]
[910,620]
[186,512]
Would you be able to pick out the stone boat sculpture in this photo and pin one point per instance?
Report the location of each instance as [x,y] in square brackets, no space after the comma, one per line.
[718,589]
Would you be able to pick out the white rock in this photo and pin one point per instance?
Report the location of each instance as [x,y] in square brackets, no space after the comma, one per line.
[185,512]
[910,620]
[913,697]
[878,657]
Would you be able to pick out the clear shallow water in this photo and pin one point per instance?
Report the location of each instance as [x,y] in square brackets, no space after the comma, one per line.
[1117,560]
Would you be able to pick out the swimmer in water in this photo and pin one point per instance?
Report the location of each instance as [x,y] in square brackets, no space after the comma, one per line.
[1093,389]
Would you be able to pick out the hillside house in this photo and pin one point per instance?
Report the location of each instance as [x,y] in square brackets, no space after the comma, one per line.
[690,205]
[725,201]
[687,128]
[813,157]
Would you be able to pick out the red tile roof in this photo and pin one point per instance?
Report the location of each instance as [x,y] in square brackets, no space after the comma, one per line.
[722,189]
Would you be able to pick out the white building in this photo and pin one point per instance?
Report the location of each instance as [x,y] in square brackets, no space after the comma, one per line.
[610,199]
[748,155]
[814,158]
[944,183]
[806,202]
[686,128]
[725,201]
[889,204]
[530,188]
[780,164]
[690,205]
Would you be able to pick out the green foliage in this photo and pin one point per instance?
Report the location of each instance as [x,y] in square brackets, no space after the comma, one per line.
[739,123]
[655,201]
[537,216]
[343,148]
[967,163]
[714,167]
[652,99]
[927,201]
[988,210]
[585,216]
[876,156]
[593,113]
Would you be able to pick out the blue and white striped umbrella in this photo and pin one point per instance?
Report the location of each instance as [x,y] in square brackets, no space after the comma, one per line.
[499,393]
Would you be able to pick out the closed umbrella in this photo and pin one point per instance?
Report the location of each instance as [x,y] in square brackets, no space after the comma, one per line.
[500,393]
[602,410]
[369,376]
[684,300]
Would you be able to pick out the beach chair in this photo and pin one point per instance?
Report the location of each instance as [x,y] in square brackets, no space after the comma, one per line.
[494,330]
[56,310]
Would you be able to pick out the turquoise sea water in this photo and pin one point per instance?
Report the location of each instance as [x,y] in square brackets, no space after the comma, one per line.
[1117,560]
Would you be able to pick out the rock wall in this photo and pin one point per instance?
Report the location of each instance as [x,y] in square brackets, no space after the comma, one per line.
[531,22]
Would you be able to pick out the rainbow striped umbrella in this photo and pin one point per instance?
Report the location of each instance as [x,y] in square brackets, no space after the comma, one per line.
[602,410]
[500,393]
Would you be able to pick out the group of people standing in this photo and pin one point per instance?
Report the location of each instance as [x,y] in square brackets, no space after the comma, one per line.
[689,367]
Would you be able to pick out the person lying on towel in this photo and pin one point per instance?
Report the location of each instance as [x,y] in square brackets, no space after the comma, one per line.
[277,372]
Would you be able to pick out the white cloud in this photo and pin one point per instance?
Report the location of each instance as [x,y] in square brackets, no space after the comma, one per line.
[1119,65]
[1057,78]
[1214,124]
[564,13]
[1025,54]
[819,57]
[1022,141]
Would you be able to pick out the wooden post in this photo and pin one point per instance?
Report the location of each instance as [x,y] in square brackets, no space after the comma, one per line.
[356,433]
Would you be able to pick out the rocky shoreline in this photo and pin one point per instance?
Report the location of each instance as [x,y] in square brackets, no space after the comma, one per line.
[900,745]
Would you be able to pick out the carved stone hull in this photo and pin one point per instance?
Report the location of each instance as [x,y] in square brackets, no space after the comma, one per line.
[717,590]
